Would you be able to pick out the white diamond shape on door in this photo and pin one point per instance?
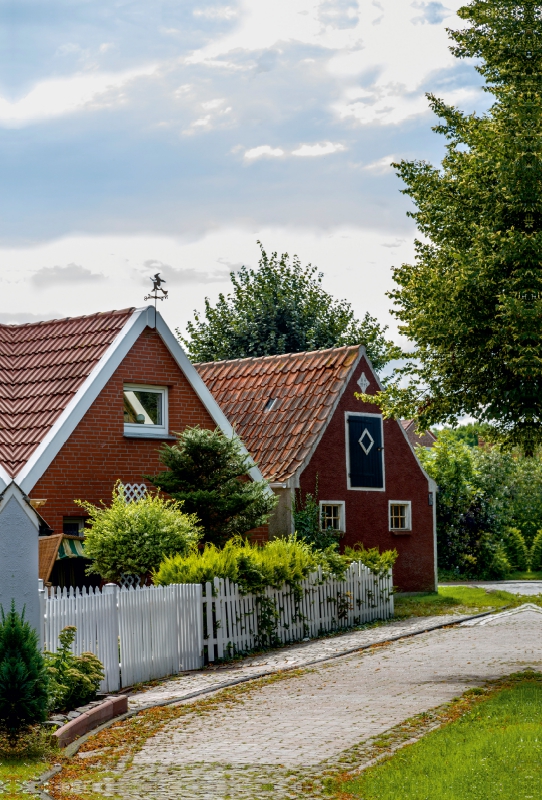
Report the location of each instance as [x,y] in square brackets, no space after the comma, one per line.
[364,446]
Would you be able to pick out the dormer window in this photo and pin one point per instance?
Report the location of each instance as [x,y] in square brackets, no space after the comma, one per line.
[145,410]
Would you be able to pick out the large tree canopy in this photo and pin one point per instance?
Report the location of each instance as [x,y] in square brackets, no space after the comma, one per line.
[281,308]
[472,302]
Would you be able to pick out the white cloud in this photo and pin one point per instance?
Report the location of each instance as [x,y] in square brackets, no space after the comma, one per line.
[55,97]
[321,149]
[381,166]
[264,151]
[215,12]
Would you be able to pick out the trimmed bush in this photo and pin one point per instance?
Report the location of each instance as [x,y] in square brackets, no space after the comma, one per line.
[516,549]
[372,558]
[23,677]
[536,553]
[73,680]
[134,537]
[253,567]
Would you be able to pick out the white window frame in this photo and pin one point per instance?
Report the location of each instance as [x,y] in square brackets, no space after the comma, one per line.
[408,520]
[348,414]
[342,514]
[148,431]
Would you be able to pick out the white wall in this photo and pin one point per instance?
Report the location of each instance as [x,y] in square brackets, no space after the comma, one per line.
[19,529]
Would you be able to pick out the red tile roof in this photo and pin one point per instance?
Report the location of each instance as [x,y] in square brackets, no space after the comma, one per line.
[42,365]
[306,388]
[426,439]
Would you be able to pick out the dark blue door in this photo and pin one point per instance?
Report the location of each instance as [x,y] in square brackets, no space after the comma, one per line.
[366,452]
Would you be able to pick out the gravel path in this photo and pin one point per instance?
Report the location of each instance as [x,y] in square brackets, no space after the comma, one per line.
[299,655]
[277,741]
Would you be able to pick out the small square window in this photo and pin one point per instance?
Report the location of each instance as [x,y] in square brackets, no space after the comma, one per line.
[73,526]
[400,515]
[145,410]
[332,515]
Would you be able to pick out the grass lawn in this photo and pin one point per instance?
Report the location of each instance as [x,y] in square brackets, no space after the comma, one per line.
[15,773]
[493,751]
[457,599]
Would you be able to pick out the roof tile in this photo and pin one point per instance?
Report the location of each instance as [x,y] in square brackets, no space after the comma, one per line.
[42,365]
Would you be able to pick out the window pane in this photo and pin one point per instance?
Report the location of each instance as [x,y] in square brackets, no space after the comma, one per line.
[398,517]
[331,517]
[142,407]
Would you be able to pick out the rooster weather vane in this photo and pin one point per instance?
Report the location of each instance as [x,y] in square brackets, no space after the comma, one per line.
[157,282]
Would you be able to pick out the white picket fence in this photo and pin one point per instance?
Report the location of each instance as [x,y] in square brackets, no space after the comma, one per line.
[138,634]
[234,623]
[151,632]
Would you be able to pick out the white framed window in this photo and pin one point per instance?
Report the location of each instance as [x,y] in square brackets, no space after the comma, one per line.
[332,515]
[145,410]
[400,515]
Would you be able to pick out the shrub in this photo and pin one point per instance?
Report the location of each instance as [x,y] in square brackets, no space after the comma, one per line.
[376,561]
[516,549]
[536,553]
[251,566]
[73,680]
[23,677]
[207,472]
[134,538]
[306,516]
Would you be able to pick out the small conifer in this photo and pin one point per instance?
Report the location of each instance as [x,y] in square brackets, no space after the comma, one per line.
[23,678]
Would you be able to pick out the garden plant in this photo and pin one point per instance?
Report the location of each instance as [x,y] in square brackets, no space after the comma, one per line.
[73,680]
[134,537]
[207,473]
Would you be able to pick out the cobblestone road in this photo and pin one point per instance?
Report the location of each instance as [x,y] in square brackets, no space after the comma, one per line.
[282,736]
[298,655]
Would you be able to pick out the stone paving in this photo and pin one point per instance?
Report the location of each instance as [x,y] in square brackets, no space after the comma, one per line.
[279,739]
[298,655]
[529,588]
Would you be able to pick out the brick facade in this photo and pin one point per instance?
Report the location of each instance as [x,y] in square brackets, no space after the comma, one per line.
[366,512]
[97,453]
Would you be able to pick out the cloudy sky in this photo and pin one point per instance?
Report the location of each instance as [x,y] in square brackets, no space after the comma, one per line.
[139,135]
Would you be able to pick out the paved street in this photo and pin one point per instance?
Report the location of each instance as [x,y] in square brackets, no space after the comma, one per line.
[529,588]
[298,655]
[284,732]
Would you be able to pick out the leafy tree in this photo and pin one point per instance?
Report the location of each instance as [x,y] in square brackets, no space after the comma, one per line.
[134,537]
[207,472]
[23,678]
[472,302]
[281,308]
[536,552]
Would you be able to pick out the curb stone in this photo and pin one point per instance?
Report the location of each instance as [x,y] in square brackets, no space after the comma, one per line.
[72,749]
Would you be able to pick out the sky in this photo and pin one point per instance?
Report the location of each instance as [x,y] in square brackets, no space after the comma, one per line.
[139,136]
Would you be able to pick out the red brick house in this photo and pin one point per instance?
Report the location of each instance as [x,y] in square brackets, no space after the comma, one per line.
[86,401]
[299,418]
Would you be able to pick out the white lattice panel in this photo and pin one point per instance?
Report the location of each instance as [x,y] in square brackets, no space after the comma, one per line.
[134,491]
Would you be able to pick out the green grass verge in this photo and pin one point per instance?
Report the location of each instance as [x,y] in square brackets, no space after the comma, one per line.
[14,773]
[493,751]
[450,599]
[457,599]
[526,576]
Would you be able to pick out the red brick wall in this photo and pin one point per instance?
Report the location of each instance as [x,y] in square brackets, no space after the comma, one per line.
[367,512]
[97,454]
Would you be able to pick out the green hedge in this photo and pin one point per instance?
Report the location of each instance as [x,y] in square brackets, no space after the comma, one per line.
[254,567]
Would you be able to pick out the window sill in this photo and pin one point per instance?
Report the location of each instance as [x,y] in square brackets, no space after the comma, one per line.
[401,533]
[149,436]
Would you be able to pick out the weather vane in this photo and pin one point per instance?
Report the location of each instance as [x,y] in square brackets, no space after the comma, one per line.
[157,282]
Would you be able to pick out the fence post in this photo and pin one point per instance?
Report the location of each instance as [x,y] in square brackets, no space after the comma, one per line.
[110,656]
[42,607]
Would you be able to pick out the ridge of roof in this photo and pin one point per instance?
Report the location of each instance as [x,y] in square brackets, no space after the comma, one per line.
[19,325]
[306,388]
[278,355]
